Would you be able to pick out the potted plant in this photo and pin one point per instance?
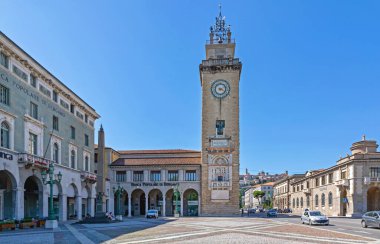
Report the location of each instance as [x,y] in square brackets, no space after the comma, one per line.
[41,222]
[27,222]
[7,224]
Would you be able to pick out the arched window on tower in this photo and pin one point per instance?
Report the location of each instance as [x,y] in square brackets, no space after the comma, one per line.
[5,135]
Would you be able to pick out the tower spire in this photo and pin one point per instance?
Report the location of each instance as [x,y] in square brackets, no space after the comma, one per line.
[220,32]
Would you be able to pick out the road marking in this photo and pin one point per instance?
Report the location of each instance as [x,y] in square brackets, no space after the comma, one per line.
[360,231]
[81,238]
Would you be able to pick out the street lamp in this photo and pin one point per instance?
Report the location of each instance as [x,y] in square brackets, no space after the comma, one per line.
[118,191]
[53,179]
[176,196]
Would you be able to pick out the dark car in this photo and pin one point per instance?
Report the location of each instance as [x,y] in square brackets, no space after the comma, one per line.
[272,213]
[371,219]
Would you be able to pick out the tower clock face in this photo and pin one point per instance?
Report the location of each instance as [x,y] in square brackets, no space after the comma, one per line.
[220,88]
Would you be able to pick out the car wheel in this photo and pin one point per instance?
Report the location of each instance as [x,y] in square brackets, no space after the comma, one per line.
[302,222]
[364,224]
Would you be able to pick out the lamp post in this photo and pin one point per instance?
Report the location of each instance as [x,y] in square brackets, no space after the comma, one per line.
[118,191]
[176,195]
[53,179]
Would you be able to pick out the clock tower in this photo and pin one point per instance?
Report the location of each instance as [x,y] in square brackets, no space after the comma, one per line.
[220,75]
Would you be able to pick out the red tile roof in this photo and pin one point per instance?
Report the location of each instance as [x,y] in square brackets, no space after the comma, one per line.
[158,157]
[157,151]
[157,161]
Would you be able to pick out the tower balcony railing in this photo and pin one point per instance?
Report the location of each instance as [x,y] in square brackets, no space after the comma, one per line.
[220,61]
[30,160]
[369,180]
[220,41]
[88,177]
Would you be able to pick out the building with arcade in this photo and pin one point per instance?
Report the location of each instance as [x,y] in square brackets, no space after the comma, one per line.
[42,122]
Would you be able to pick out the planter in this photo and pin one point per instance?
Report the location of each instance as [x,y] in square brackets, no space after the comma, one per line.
[26,224]
[7,226]
[41,223]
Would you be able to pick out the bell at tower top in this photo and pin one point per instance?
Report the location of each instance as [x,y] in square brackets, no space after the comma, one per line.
[220,45]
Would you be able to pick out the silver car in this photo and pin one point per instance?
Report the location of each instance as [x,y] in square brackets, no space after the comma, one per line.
[371,219]
[314,217]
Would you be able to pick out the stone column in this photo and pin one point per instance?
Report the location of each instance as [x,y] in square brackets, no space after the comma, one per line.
[163,212]
[2,204]
[180,175]
[129,206]
[62,207]
[45,203]
[181,204]
[91,206]
[199,204]
[18,200]
[78,207]
[146,203]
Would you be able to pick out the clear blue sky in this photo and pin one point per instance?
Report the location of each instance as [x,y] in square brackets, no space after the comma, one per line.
[309,87]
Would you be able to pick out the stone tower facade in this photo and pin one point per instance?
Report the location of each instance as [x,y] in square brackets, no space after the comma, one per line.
[220,75]
[102,172]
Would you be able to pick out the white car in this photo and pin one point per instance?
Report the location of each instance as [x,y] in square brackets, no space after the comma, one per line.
[314,217]
[153,213]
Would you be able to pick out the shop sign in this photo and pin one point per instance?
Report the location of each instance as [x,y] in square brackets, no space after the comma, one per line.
[155,184]
[6,156]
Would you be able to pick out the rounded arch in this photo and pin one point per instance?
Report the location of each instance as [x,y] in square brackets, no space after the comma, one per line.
[155,200]
[33,197]
[171,203]
[5,174]
[373,198]
[8,184]
[190,202]
[72,190]
[138,198]
[220,160]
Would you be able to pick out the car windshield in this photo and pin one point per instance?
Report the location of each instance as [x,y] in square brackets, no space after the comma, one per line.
[152,211]
[315,213]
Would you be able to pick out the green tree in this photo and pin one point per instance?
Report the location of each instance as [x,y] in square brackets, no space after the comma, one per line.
[258,195]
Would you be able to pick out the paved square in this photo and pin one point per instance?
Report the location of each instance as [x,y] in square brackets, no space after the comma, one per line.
[187,230]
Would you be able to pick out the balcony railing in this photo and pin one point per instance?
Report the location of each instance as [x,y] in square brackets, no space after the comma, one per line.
[32,160]
[220,184]
[307,190]
[88,177]
[368,180]
[224,61]
[342,182]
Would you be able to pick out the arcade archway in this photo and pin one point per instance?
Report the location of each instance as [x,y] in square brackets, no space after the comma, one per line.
[155,200]
[373,199]
[138,202]
[190,202]
[33,195]
[7,195]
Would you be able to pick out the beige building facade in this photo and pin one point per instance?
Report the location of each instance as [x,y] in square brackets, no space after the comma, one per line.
[281,193]
[349,188]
